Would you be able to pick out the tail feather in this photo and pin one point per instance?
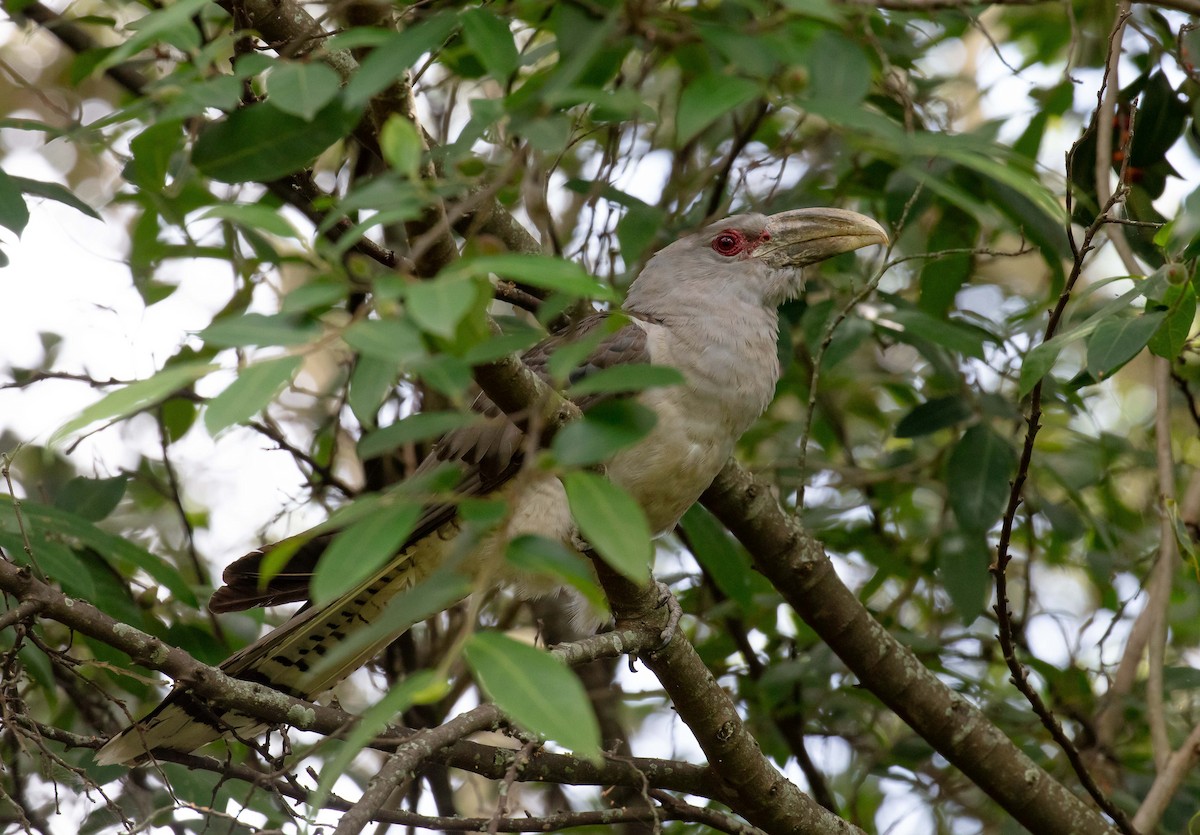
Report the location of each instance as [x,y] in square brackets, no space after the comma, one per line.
[288,658]
[244,587]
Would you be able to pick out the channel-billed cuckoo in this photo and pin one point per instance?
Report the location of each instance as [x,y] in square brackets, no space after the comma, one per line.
[704,305]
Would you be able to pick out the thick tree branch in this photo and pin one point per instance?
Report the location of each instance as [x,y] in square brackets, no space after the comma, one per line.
[796,564]
[275,707]
[755,788]
[407,758]
[671,809]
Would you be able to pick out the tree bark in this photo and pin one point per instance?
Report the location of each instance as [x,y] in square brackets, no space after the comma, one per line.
[797,565]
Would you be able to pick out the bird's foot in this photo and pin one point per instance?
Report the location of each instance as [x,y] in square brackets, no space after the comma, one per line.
[667,633]
[674,613]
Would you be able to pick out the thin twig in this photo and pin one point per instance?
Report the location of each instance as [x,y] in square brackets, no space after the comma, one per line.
[16,505]
[176,497]
[1019,675]
[275,782]
[327,475]
[815,377]
[1164,566]
[504,790]
[407,758]
[712,818]
[22,611]
[1166,782]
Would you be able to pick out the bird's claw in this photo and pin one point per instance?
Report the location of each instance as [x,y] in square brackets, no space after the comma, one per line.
[674,613]
[667,633]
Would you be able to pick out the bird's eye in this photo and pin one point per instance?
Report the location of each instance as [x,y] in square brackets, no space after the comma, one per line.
[727,243]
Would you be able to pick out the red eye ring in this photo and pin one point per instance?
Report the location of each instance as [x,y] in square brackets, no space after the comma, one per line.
[728,243]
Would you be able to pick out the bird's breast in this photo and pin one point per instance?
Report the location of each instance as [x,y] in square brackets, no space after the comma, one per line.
[668,469]
[729,383]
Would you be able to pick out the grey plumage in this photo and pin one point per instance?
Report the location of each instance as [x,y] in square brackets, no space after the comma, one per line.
[705,305]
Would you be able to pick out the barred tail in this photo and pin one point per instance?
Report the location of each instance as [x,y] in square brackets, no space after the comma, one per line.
[292,658]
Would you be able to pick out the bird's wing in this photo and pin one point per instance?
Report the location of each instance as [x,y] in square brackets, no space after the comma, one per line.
[488,452]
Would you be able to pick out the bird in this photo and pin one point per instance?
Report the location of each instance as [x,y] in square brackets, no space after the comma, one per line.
[705,305]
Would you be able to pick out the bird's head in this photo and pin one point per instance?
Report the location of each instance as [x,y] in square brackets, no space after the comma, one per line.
[749,258]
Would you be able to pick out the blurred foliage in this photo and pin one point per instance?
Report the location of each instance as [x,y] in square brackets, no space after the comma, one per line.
[607,129]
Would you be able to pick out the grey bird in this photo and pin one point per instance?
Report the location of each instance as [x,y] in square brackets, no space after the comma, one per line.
[705,305]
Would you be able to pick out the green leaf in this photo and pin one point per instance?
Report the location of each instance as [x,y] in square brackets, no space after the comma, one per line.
[1041,358]
[63,524]
[1118,340]
[315,295]
[256,386]
[14,213]
[548,557]
[491,39]
[550,135]
[178,415]
[220,92]
[152,150]
[1007,170]
[150,28]
[722,559]
[40,671]
[977,478]
[60,563]
[419,427]
[1180,236]
[932,415]
[497,347]
[822,10]
[440,304]
[1168,341]
[1038,362]
[135,397]
[53,191]
[91,498]
[259,329]
[262,143]
[253,216]
[402,146]
[624,379]
[1181,678]
[370,383]
[707,99]
[536,689]
[448,375]
[612,522]
[963,558]
[395,340]
[605,429]
[359,551]
[957,337]
[1162,117]
[536,270]
[637,229]
[395,56]
[302,88]
[838,69]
